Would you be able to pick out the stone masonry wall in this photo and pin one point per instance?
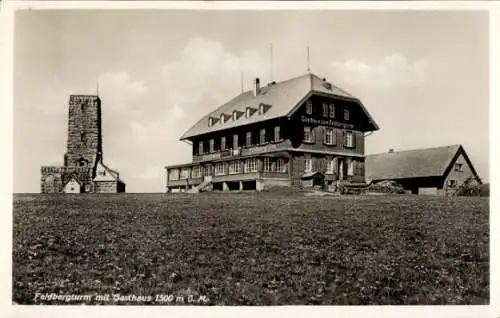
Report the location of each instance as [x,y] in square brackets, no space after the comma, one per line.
[84,130]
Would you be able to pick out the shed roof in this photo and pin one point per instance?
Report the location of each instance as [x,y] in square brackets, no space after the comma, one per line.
[283,97]
[417,163]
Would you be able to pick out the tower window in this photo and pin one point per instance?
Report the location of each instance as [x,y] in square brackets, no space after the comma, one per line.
[82,162]
[84,138]
[83,106]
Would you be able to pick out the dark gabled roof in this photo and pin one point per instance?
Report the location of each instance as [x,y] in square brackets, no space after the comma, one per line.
[283,97]
[73,177]
[418,163]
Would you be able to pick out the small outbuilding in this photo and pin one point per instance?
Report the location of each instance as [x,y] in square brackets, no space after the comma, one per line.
[313,179]
[430,171]
[74,185]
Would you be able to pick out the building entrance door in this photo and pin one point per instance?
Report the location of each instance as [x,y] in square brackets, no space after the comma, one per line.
[340,167]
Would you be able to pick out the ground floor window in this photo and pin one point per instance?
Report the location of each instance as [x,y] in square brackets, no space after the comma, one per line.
[208,171]
[219,169]
[280,165]
[196,172]
[173,174]
[330,166]
[234,167]
[268,165]
[350,167]
[251,165]
[184,173]
[308,165]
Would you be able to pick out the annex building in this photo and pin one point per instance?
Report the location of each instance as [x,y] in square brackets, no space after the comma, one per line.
[303,132]
[84,170]
[432,171]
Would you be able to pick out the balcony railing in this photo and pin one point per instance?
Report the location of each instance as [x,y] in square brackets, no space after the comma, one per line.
[242,151]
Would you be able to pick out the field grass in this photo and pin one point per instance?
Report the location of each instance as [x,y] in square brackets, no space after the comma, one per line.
[252,248]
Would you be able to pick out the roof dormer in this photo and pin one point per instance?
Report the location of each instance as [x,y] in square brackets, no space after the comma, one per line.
[237,114]
[224,118]
[212,121]
[263,108]
[249,111]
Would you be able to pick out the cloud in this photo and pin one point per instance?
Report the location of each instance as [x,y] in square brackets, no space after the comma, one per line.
[206,70]
[119,92]
[392,70]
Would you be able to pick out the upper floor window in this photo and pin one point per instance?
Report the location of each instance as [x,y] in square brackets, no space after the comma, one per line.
[210,122]
[261,109]
[277,136]
[262,135]
[349,139]
[235,115]
[211,145]
[346,114]
[222,118]
[248,112]
[249,138]
[307,134]
[325,110]
[331,110]
[309,107]
[308,165]
[235,141]
[200,147]
[459,167]
[452,183]
[222,143]
[329,137]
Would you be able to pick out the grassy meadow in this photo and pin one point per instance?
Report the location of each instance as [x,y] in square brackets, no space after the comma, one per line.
[251,249]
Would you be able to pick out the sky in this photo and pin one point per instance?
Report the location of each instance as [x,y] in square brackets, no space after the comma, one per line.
[422,75]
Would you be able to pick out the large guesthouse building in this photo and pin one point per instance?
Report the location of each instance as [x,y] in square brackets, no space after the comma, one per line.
[301,132]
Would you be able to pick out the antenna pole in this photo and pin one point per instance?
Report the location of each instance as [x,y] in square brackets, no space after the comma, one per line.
[242,89]
[271,62]
[308,61]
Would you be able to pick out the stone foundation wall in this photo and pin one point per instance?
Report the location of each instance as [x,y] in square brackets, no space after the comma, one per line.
[54,178]
[105,187]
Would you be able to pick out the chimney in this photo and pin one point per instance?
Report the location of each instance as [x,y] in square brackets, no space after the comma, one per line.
[256,87]
[391,150]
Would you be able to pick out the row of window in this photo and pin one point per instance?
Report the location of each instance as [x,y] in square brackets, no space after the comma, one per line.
[212,147]
[329,136]
[231,167]
[249,111]
[328,110]
[331,166]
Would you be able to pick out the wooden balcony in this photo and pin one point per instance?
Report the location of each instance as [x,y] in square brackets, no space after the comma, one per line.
[243,151]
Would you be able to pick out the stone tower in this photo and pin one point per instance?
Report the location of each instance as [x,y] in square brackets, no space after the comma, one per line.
[83,170]
[84,148]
